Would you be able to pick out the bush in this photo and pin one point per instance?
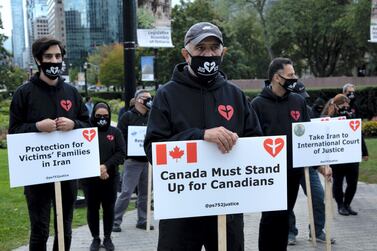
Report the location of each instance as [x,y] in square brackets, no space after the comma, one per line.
[370,128]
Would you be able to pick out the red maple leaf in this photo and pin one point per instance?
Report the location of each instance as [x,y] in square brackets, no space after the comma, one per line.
[176,153]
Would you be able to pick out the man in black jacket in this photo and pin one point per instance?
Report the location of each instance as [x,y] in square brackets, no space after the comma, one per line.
[199,103]
[135,167]
[277,108]
[47,104]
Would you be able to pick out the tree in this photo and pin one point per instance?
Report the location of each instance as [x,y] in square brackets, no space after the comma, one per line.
[111,67]
[316,34]
[12,76]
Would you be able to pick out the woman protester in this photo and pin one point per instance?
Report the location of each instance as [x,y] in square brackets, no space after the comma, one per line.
[102,190]
[335,107]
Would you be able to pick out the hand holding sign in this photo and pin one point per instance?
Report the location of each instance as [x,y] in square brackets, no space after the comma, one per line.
[221,136]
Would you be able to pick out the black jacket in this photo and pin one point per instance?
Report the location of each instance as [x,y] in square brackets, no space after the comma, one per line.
[132,118]
[111,149]
[276,115]
[182,109]
[36,100]
[111,145]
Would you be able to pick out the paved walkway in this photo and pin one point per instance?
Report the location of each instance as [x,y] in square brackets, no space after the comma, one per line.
[352,233]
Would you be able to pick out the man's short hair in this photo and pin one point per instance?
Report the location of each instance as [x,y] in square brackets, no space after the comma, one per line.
[42,44]
[276,65]
[141,91]
[346,86]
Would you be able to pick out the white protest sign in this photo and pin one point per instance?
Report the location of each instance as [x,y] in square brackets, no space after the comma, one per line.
[326,143]
[36,158]
[154,38]
[135,140]
[328,119]
[193,178]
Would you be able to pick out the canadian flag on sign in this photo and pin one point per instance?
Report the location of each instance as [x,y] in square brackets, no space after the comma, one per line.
[189,154]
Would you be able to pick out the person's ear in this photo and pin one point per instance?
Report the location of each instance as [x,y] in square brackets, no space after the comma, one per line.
[225,50]
[186,55]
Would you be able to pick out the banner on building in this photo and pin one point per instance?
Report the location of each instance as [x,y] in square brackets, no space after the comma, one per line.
[158,33]
[147,68]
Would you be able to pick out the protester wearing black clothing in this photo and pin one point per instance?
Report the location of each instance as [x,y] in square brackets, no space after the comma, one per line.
[199,103]
[102,191]
[135,172]
[340,106]
[277,108]
[47,104]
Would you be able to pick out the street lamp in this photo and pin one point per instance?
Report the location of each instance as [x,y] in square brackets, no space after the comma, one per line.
[86,82]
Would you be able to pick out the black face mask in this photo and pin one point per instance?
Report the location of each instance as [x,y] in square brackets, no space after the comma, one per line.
[345,111]
[289,83]
[51,70]
[102,122]
[351,96]
[148,103]
[205,68]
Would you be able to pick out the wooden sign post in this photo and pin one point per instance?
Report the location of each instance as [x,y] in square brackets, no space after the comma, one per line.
[310,206]
[221,232]
[59,215]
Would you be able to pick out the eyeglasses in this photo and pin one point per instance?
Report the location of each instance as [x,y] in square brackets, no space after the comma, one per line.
[50,55]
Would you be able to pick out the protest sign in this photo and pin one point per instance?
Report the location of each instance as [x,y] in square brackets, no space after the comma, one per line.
[193,178]
[36,158]
[135,140]
[326,143]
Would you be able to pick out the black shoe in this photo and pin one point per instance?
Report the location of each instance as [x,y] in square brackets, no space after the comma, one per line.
[343,211]
[108,244]
[116,229]
[350,211]
[144,226]
[96,243]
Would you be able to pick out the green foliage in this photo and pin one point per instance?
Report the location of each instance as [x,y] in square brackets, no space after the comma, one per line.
[4,121]
[324,37]
[111,67]
[370,128]
[12,76]
[145,18]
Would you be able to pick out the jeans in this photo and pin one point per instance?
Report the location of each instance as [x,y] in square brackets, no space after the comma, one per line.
[317,202]
[39,199]
[135,174]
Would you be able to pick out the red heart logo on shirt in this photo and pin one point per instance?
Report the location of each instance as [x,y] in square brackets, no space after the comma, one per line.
[226,111]
[66,104]
[295,115]
[273,147]
[89,134]
[354,124]
[110,137]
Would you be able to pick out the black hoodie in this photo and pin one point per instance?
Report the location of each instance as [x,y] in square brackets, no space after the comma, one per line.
[276,114]
[36,101]
[182,109]
[111,145]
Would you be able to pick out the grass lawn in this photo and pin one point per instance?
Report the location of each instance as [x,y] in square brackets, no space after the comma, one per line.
[368,169]
[14,218]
